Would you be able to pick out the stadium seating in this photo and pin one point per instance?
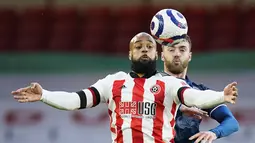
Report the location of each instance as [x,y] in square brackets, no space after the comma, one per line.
[127,22]
[96,29]
[33,30]
[109,29]
[64,34]
[246,35]
[222,28]
[8,21]
[196,17]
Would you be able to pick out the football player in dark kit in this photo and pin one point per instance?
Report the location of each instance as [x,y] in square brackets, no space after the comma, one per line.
[176,58]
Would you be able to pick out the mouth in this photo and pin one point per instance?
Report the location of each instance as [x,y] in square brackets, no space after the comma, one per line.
[144,57]
[177,62]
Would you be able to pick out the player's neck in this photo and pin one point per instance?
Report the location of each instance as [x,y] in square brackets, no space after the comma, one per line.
[140,74]
[181,75]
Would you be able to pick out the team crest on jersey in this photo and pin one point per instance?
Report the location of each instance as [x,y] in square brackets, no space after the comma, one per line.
[155,89]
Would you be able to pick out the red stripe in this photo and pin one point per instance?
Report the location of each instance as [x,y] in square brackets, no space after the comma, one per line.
[136,123]
[166,40]
[116,92]
[94,96]
[172,122]
[159,121]
[111,128]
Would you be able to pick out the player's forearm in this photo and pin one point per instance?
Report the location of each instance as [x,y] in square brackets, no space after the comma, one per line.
[201,99]
[61,100]
[228,123]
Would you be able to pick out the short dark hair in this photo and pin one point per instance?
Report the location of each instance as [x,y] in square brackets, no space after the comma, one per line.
[185,37]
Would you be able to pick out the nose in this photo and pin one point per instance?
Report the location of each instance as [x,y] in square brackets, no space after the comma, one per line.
[177,53]
[144,49]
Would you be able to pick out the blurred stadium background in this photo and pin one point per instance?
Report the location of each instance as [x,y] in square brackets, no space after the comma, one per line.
[69,44]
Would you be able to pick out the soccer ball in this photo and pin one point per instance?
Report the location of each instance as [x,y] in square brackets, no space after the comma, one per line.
[168,25]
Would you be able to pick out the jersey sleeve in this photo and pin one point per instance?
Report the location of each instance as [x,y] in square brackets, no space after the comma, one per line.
[182,93]
[86,98]
[228,123]
[96,93]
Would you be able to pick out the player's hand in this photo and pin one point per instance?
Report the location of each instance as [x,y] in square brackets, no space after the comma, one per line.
[193,112]
[231,93]
[204,137]
[31,93]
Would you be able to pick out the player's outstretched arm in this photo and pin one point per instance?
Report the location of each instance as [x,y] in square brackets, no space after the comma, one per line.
[58,99]
[86,98]
[206,99]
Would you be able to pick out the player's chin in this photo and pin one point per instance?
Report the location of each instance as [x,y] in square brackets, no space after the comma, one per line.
[145,60]
[175,70]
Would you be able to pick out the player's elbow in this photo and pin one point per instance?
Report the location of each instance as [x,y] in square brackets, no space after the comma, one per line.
[235,125]
[203,99]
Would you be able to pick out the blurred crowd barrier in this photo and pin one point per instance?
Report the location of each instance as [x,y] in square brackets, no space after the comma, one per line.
[41,124]
[106,29]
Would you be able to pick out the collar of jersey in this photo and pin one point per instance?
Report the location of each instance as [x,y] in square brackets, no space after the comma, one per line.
[148,75]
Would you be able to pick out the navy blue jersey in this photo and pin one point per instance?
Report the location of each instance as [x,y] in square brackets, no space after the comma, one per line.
[188,126]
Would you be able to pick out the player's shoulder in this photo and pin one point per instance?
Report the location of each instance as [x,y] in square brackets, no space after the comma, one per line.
[169,79]
[196,85]
[116,75]
[167,76]
[163,74]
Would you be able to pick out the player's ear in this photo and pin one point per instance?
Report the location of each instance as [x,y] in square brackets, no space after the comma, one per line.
[190,56]
[162,56]
[129,55]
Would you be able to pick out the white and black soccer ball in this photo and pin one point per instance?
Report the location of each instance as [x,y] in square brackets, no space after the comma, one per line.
[168,25]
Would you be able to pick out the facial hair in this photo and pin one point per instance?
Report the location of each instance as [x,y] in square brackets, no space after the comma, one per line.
[177,69]
[146,67]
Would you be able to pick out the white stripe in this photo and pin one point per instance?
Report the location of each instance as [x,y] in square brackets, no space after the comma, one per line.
[126,96]
[112,107]
[147,123]
[89,98]
[167,116]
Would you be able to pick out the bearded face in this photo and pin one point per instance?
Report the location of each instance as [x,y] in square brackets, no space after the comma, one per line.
[144,64]
[143,54]
[176,65]
[177,57]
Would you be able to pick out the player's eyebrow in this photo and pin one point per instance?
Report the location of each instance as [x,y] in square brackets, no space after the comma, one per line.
[141,41]
[182,46]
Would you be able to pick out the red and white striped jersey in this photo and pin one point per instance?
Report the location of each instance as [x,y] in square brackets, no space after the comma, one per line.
[141,110]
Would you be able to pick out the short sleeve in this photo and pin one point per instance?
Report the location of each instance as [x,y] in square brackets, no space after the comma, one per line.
[96,93]
[177,88]
[102,87]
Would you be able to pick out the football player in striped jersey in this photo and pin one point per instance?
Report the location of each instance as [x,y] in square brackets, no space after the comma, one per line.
[141,104]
